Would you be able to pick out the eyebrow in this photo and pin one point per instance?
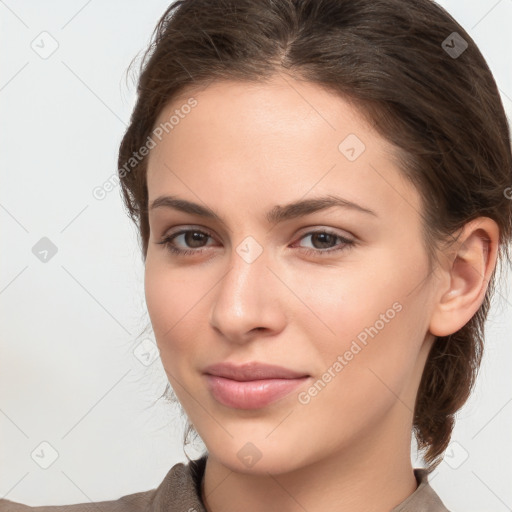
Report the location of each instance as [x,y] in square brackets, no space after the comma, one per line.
[277,214]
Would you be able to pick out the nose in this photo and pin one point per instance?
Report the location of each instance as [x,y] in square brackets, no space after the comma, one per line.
[248,299]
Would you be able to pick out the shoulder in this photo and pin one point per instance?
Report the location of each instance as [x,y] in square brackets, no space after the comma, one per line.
[424,498]
[179,488]
[136,502]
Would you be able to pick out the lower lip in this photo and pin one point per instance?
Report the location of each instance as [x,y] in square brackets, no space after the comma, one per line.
[252,394]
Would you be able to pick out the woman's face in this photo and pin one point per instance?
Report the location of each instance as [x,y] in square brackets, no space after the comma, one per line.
[338,294]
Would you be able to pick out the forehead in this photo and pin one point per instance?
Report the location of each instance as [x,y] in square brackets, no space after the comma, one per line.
[281,106]
[274,139]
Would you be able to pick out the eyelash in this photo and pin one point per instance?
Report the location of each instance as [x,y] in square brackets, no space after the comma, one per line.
[167,242]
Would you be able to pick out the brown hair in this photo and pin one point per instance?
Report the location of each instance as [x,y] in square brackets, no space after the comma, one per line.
[392,60]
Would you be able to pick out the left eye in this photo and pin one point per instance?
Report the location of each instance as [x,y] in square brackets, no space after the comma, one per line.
[327,238]
[197,237]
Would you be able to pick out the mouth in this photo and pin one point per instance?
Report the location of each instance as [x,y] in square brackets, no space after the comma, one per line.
[252,385]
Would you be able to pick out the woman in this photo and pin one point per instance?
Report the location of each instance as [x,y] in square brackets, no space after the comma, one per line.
[321,192]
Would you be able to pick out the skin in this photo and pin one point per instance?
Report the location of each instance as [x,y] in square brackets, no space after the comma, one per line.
[241,151]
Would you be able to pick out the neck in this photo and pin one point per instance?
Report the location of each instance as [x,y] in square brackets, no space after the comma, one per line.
[372,475]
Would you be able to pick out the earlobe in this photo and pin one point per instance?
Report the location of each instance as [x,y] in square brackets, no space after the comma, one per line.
[468,275]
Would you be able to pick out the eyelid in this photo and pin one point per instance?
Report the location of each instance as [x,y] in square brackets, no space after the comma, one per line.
[345,243]
[307,230]
[343,233]
[185,228]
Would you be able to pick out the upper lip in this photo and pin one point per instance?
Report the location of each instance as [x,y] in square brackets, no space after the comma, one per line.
[252,371]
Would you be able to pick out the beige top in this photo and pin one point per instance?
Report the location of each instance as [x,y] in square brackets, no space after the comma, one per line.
[180,491]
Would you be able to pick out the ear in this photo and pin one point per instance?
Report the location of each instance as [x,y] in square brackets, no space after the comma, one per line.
[466,276]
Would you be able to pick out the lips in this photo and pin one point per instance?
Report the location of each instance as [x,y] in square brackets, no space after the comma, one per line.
[252,371]
[251,385]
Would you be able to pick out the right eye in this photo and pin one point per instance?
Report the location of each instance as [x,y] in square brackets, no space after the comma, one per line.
[190,237]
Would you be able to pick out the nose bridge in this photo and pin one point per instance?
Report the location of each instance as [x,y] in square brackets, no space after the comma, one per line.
[245,299]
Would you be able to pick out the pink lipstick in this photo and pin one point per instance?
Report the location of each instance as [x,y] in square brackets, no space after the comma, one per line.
[251,385]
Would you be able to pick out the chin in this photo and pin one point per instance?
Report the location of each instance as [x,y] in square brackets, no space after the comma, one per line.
[258,458]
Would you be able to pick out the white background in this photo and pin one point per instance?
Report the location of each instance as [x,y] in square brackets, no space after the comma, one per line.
[68,373]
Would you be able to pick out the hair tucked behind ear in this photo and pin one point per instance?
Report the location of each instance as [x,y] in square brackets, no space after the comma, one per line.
[447,381]
[441,111]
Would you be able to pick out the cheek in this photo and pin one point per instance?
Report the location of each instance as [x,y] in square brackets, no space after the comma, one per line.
[372,314]
[365,371]
[343,302]
[168,298]
[177,306]
[159,298]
